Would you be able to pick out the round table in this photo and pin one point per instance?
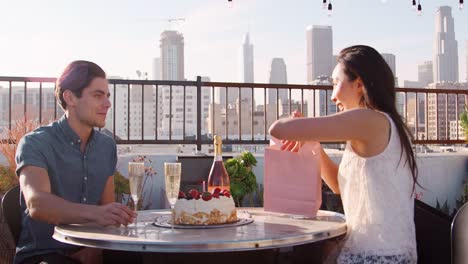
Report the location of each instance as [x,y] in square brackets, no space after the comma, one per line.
[268,230]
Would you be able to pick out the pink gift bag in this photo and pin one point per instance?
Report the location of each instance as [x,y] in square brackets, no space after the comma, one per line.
[292,180]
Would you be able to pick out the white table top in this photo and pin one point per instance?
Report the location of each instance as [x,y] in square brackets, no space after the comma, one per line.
[268,230]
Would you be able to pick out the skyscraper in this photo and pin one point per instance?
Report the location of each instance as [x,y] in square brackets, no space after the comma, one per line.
[466,52]
[278,75]
[157,69]
[247,60]
[445,47]
[319,52]
[172,55]
[246,75]
[171,113]
[390,59]
[425,73]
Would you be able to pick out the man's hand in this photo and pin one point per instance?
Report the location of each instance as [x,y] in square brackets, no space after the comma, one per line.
[114,214]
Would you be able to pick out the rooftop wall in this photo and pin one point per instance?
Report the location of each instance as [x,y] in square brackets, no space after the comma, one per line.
[440,174]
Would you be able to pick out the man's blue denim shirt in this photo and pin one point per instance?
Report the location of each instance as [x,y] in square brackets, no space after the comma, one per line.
[75,176]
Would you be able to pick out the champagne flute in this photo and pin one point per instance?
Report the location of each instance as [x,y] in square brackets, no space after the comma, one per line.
[136,173]
[172,173]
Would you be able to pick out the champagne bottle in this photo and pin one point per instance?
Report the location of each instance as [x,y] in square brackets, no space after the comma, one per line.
[218,177]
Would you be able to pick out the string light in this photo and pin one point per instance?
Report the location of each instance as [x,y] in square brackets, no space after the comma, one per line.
[415,5]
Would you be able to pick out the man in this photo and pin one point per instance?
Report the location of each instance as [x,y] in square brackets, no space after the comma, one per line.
[66,171]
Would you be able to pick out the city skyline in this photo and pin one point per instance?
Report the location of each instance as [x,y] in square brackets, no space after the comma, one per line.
[125,44]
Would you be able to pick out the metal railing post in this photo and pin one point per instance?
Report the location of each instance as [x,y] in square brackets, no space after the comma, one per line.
[199,109]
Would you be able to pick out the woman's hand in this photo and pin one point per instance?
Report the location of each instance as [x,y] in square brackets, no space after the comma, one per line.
[292,146]
[289,145]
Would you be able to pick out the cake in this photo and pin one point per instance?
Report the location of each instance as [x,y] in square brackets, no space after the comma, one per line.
[205,208]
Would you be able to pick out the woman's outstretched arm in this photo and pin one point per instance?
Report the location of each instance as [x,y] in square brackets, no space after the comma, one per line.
[329,171]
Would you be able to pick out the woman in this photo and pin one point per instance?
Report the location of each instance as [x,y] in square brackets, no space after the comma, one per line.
[377,174]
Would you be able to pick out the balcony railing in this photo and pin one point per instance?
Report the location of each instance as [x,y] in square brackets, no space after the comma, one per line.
[190,112]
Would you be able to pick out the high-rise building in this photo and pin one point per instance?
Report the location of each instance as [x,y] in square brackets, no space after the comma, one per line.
[118,112]
[157,69]
[445,47]
[174,117]
[32,101]
[246,75]
[172,55]
[466,52]
[278,75]
[323,105]
[247,60]
[142,124]
[442,109]
[319,52]
[425,73]
[391,61]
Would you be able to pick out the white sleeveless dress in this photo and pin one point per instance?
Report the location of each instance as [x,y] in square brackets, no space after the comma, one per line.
[378,204]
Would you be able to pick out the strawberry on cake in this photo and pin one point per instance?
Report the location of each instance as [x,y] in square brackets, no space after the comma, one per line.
[205,208]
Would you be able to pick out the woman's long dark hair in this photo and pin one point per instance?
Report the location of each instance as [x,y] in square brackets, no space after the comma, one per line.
[366,63]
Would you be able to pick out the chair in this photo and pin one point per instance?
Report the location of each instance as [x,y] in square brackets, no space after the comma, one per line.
[11,211]
[459,236]
[432,234]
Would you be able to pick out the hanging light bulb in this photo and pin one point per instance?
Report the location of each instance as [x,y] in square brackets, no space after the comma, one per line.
[419,9]
[324,4]
[330,9]
[414,4]
[230,4]
[461,4]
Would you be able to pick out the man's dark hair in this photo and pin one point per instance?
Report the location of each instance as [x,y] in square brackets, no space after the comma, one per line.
[76,76]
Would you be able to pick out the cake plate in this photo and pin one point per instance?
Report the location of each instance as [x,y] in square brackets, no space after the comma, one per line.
[165,221]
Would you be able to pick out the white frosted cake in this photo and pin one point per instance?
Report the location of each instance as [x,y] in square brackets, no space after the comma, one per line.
[204,209]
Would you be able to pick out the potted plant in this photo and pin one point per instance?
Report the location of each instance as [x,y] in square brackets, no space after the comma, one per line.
[464,122]
[122,186]
[242,179]
[9,139]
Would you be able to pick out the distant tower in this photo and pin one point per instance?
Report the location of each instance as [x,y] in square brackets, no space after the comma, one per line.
[157,69]
[172,55]
[466,52]
[246,75]
[171,113]
[391,61]
[247,60]
[425,73]
[445,48]
[319,52]
[278,75]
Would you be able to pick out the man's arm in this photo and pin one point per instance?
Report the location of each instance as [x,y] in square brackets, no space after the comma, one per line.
[47,207]
[108,195]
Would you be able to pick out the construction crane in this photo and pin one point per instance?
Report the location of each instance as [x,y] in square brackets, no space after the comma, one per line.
[172,20]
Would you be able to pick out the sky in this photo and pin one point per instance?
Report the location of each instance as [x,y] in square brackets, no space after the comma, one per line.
[39,38]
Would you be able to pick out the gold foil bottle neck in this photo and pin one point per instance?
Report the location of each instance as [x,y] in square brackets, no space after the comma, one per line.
[218,142]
